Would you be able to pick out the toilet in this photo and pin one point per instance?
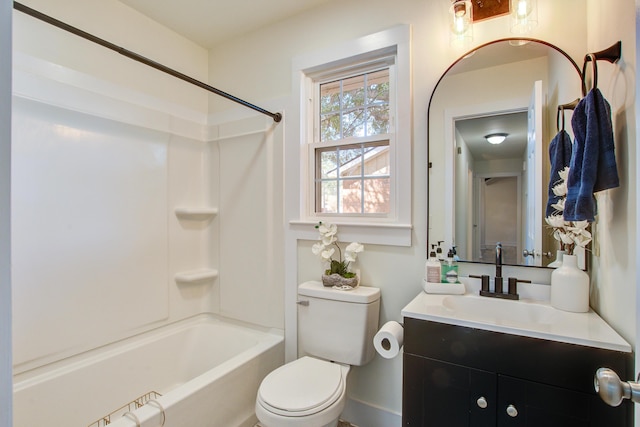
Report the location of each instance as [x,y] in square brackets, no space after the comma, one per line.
[335,331]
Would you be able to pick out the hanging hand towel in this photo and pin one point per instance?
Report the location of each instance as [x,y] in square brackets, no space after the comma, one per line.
[593,162]
[560,156]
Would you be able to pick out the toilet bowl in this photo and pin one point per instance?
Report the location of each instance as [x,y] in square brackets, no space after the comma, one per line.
[307,392]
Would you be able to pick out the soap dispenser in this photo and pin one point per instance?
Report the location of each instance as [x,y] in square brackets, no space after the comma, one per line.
[433,269]
[439,253]
[456,258]
[450,268]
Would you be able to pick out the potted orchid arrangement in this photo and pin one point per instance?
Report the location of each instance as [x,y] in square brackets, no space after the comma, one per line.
[570,234]
[338,273]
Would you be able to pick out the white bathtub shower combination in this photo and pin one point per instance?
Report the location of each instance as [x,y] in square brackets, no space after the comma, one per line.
[112,165]
[206,369]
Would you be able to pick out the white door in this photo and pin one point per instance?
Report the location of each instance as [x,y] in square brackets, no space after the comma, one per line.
[533,192]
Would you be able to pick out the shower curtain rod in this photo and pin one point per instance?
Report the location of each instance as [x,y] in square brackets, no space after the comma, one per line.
[277,117]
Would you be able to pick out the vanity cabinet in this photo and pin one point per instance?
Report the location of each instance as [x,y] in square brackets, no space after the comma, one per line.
[456,376]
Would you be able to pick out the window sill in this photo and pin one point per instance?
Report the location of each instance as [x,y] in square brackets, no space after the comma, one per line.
[362,232]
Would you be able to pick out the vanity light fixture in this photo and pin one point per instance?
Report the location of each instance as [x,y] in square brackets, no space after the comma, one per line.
[524,16]
[460,23]
[496,138]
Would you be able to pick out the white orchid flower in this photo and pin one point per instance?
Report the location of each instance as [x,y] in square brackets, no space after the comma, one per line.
[559,206]
[355,247]
[328,233]
[327,254]
[328,229]
[564,173]
[581,236]
[329,239]
[566,238]
[560,190]
[317,248]
[350,256]
[581,241]
[352,251]
[580,226]
[555,221]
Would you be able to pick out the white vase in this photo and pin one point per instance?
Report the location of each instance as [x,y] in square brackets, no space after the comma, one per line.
[558,261]
[570,286]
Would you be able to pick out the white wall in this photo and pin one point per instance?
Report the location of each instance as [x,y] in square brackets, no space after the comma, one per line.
[6,390]
[397,270]
[614,275]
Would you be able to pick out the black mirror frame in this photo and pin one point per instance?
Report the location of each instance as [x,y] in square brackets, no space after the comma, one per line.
[508,39]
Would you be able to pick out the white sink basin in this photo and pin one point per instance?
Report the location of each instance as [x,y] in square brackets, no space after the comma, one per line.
[499,311]
[532,318]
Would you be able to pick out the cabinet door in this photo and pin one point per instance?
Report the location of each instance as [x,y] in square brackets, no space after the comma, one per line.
[437,394]
[527,403]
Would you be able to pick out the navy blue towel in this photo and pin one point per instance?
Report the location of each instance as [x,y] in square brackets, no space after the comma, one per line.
[593,161]
[560,156]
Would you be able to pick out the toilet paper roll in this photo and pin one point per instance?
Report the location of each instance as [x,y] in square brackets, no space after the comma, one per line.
[389,339]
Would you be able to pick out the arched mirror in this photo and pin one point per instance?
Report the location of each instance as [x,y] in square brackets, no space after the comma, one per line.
[481,192]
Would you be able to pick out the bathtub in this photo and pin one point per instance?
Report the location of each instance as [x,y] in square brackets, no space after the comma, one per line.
[205,370]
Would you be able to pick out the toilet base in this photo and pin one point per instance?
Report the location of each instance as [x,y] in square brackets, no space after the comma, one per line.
[326,418]
[334,424]
[341,423]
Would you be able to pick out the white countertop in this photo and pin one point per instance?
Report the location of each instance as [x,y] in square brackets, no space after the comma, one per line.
[532,317]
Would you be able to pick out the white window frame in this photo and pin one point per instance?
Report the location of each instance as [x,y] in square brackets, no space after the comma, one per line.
[386,61]
[358,55]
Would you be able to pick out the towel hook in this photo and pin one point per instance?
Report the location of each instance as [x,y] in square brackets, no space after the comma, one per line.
[611,54]
[568,106]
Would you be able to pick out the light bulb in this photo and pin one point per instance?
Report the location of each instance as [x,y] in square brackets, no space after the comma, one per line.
[523,9]
[460,22]
[524,16]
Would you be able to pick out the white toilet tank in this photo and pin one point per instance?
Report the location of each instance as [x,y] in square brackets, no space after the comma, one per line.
[337,325]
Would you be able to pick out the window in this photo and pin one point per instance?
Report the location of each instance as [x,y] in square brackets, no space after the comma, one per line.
[354,139]
[352,162]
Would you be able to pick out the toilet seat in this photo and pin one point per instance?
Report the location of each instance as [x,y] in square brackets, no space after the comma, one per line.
[303,387]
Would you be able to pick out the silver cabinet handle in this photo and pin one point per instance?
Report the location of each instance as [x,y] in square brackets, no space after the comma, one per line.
[512,411]
[482,402]
[612,390]
[303,302]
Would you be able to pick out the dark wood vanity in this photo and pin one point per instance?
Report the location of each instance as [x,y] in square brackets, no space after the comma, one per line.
[455,376]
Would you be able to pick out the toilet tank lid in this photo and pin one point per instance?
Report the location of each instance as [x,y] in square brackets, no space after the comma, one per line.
[360,295]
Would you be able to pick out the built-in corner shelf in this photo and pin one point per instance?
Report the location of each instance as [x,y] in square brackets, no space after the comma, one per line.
[196,214]
[194,276]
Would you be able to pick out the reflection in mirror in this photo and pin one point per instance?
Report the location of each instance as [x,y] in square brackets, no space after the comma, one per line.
[482,193]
